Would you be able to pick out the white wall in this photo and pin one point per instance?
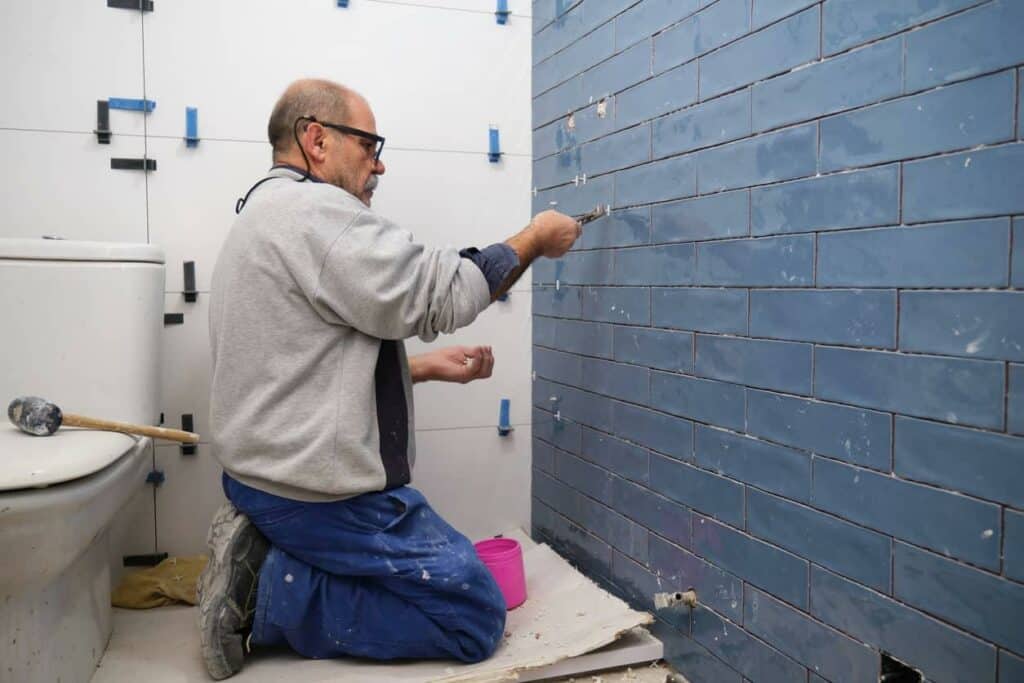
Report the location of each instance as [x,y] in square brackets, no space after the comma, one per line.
[437,73]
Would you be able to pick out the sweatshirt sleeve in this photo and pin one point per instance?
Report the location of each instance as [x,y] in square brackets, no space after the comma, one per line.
[376,279]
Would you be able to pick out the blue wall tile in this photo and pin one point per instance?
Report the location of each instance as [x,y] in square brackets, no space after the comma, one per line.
[660,181]
[584,477]
[625,459]
[708,123]
[621,71]
[763,262]
[712,27]
[618,150]
[860,437]
[1015,402]
[1011,667]
[624,228]
[685,654]
[680,570]
[859,78]
[770,51]
[774,468]
[941,652]
[617,531]
[629,305]
[819,647]
[787,154]
[702,491]
[701,309]
[558,101]
[561,367]
[845,200]
[974,324]
[586,268]
[854,317]
[572,404]
[1013,560]
[720,215]
[1017,276]
[755,660]
[980,463]
[673,264]
[659,514]
[783,366]
[561,433]
[544,331]
[563,302]
[767,11]
[649,17]
[987,605]
[986,182]
[846,23]
[578,57]
[589,339]
[543,456]
[765,566]
[655,348]
[626,382]
[590,123]
[929,517]
[574,200]
[972,43]
[705,400]
[845,548]
[557,169]
[667,92]
[949,389]
[635,581]
[660,432]
[965,115]
[971,254]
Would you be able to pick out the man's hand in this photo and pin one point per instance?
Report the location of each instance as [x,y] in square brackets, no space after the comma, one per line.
[453,364]
[555,232]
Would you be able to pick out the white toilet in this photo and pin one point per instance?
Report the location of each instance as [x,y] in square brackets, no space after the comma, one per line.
[80,325]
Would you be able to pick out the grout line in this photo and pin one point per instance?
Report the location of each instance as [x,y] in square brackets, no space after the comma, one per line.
[145,121]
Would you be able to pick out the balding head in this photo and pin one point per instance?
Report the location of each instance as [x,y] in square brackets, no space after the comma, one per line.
[325,100]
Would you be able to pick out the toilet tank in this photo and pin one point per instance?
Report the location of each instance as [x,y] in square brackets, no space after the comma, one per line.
[80,325]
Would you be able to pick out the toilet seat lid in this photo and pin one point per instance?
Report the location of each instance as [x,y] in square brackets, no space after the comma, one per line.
[28,461]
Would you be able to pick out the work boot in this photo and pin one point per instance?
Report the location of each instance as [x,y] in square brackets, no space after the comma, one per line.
[227,590]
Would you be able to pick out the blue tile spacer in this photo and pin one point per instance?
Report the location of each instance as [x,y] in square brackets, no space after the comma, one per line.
[131,105]
[504,426]
[342,3]
[156,477]
[191,127]
[494,153]
[502,13]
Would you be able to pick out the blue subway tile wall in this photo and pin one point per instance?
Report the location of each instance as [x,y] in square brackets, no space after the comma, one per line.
[787,370]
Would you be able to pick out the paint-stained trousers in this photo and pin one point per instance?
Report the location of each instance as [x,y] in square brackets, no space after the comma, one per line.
[381,576]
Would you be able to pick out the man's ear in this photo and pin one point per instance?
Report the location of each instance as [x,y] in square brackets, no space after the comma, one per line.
[314,139]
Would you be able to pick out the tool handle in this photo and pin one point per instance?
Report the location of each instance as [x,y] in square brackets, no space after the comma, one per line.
[72,420]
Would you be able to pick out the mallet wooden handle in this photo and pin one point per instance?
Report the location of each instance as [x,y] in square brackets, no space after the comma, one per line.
[72,420]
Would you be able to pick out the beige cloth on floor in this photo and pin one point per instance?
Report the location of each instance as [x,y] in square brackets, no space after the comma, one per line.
[171,582]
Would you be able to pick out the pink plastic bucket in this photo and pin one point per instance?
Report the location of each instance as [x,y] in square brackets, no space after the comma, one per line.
[504,557]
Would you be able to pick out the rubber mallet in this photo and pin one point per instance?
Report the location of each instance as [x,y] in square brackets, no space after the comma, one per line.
[39,417]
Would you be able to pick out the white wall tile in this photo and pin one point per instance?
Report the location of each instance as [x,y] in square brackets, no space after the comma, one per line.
[475,479]
[192,199]
[187,499]
[186,365]
[506,327]
[460,200]
[60,57]
[434,78]
[62,184]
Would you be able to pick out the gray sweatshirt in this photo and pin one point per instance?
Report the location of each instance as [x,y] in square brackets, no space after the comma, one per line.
[311,296]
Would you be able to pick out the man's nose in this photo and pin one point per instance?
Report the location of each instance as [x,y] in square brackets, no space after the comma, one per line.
[378,167]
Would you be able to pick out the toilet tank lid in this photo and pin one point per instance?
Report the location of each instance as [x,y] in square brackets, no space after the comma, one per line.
[28,461]
[76,250]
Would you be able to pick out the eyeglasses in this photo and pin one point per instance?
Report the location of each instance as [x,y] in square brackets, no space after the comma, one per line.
[376,139]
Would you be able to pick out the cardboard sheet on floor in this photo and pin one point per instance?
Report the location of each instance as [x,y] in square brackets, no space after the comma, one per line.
[566,615]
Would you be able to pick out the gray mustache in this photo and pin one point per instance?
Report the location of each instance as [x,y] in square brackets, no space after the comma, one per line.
[372,183]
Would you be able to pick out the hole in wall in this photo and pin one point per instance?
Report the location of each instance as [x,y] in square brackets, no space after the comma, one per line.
[895,671]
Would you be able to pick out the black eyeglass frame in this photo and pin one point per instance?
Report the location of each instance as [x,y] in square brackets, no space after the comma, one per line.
[377,139]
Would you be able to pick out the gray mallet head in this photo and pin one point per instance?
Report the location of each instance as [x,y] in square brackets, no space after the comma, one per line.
[34,415]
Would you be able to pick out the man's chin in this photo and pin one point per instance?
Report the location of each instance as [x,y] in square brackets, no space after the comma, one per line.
[367,197]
